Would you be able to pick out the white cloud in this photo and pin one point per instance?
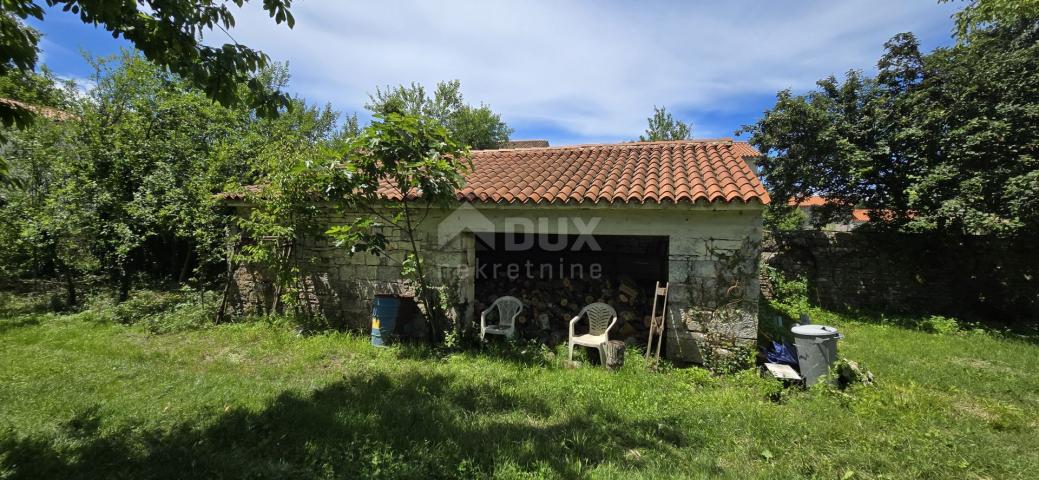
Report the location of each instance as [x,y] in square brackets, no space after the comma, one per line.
[589,69]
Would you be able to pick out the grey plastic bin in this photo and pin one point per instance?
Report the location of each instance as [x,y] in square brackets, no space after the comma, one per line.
[816,350]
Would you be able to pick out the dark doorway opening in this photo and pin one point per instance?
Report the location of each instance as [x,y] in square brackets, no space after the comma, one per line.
[555,276]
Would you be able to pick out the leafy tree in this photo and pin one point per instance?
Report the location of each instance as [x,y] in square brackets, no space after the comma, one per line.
[284,214]
[40,236]
[167,32]
[124,187]
[287,156]
[784,220]
[813,143]
[477,127]
[28,90]
[937,142]
[662,126]
[978,109]
[983,14]
[145,139]
[395,172]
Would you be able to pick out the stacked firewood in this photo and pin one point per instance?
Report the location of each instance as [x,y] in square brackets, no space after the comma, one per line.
[548,305]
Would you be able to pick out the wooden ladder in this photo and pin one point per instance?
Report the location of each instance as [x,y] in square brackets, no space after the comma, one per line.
[656,324]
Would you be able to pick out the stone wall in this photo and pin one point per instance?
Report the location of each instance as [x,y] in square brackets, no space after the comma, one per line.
[712,267]
[340,286]
[966,277]
[713,296]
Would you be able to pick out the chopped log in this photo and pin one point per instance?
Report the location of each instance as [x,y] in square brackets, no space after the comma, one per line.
[615,354]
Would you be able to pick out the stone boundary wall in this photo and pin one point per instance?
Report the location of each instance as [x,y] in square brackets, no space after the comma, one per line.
[974,278]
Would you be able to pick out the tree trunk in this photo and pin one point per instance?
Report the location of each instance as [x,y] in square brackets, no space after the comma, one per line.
[70,290]
[122,285]
[185,267]
[227,291]
[433,310]
[276,301]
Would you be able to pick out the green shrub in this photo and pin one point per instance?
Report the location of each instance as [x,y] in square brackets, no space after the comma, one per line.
[183,317]
[784,219]
[940,325]
[728,358]
[790,296]
[144,304]
[157,311]
[21,303]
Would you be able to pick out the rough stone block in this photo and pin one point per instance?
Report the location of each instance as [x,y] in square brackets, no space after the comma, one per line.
[387,274]
[683,346]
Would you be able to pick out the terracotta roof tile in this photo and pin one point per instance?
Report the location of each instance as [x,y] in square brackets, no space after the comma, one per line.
[637,172]
[665,172]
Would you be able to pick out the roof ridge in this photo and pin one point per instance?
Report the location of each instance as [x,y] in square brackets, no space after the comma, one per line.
[633,143]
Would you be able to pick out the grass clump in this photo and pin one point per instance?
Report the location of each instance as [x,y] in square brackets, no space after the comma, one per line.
[940,325]
[156,311]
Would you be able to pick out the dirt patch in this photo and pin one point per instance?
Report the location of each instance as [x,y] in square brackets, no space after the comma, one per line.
[980,364]
[974,409]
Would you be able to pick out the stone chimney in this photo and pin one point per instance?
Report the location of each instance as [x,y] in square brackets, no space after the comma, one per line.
[526,144]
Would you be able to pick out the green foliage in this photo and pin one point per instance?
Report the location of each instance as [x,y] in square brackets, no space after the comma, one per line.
[395,171]
[124,187]
[979,108]
[479,128]
[18,53]
[935,142]
[156,311]
[284,211]
[88,400]
[790,296]
[728,359]
[147,190]
[169,33]
[662,126]
[21,91]
[779,217]
[39,234]
[940,325]
[980,15]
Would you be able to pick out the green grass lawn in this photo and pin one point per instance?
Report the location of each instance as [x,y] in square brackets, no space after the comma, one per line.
[88,399]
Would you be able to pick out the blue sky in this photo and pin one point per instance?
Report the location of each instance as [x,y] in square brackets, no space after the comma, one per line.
[569,72]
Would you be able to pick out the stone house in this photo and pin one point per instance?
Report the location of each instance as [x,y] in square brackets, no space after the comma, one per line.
[683,212]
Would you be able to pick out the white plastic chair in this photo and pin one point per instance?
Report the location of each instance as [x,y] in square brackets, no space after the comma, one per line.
[508,309]
[601,318]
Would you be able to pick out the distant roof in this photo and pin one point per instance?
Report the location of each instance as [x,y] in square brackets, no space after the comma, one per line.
[813,201]
[46,112]
[685,171]
[858,215]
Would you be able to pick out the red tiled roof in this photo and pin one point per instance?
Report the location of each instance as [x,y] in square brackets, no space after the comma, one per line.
[46,112]
[684,171]
[636,172]
[813,201]
[858,215]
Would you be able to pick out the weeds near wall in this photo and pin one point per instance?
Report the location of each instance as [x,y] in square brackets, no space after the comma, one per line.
[789,295]
[725,308]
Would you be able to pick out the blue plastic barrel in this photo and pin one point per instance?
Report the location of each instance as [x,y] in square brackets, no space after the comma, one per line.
[384,318]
